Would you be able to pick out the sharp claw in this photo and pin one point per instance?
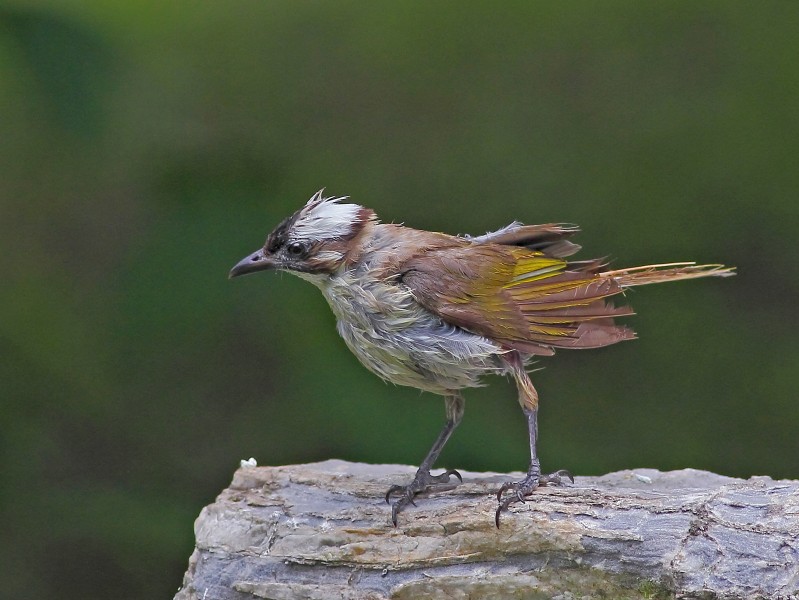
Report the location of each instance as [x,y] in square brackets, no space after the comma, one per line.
[503,506]
[456,474]
[391,490]
[503,488]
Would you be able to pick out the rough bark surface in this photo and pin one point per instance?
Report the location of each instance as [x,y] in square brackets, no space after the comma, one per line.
[322,530]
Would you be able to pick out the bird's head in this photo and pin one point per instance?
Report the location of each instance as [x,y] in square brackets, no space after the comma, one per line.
[316,240]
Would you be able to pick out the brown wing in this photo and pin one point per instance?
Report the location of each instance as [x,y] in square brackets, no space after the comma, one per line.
[521,298]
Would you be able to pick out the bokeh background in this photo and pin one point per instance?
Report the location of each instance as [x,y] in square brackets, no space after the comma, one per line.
[146,146]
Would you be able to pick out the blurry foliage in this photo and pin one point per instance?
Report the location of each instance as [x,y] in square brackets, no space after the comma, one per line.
[147,146]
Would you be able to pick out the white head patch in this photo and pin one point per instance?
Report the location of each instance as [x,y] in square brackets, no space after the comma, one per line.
[325,218]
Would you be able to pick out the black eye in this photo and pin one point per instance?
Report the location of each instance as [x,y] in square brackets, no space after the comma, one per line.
[296,249]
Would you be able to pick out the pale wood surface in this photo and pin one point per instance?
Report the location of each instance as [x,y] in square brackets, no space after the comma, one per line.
[322,530]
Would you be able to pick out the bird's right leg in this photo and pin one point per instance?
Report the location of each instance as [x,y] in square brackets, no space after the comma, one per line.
[423,479]
[528,398]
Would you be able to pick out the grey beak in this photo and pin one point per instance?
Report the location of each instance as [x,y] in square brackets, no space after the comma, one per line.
[257,261]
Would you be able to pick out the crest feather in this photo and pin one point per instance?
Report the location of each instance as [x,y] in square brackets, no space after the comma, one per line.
[326,217]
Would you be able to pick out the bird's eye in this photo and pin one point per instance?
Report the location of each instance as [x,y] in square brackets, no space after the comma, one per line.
[296,250]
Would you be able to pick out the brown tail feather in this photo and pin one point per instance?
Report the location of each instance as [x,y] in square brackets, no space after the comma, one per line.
[577,316]
[646,274]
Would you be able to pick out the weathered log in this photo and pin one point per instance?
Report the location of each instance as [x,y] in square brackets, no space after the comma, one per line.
[322,530]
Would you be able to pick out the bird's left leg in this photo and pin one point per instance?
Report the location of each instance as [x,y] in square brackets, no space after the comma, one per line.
[424,479]
[528,398]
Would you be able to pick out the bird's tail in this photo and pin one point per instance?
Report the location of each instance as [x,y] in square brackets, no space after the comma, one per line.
[666,272]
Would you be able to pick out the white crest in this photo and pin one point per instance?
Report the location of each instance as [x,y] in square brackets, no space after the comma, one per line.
[325,218]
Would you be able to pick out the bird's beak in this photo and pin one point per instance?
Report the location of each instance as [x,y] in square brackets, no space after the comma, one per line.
[257,261]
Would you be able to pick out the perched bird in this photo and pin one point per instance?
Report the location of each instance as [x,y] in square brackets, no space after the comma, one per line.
[437,312]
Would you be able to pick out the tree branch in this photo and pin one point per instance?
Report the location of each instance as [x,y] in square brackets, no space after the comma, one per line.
[322,530]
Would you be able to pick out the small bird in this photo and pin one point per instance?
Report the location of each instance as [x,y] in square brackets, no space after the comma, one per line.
[437,312]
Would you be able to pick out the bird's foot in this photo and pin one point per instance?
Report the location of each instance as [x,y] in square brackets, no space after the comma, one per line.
[423,481]
[525,487]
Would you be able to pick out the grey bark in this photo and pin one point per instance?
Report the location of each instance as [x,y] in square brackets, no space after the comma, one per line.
[322,530]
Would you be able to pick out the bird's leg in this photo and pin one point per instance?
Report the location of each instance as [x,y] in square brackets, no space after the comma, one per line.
[424,479]
[528,398]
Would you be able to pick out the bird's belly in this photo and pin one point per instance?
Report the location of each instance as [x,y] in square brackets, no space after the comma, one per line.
[433,363]
[407,345]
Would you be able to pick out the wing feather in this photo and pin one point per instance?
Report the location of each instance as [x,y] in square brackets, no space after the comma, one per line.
[549,238]
[524,299]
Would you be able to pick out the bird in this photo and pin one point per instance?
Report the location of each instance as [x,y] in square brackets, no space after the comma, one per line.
[438,312]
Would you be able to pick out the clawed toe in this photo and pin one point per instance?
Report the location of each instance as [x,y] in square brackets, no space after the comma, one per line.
[526,487]
[520,489]
[394,489]
[556,478]
[421,483]
[444,477]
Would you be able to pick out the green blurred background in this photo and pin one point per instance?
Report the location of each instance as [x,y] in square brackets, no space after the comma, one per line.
[147,146]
